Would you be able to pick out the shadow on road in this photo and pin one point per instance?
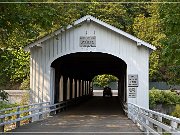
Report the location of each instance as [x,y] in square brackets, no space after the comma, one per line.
[99,106]
[96,116]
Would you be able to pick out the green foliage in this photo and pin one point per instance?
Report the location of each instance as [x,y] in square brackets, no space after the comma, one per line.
[3,95]
[150,29]
[176,112]
[162,97]
[104,80]
[25,85]
[14,66]
[170,19]
[155,23]
[4,105]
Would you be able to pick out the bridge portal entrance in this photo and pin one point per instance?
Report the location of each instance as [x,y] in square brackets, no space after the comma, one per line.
[63,63]
[78,69]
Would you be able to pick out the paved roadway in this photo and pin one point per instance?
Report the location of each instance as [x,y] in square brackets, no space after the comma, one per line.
[100,92]
[96,116]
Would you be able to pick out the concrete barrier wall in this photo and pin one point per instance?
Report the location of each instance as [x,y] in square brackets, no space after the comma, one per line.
[16,96]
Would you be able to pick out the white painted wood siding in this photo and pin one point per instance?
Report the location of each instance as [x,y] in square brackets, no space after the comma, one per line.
[107,41]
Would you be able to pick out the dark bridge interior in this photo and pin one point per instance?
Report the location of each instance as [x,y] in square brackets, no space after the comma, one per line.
[84,66]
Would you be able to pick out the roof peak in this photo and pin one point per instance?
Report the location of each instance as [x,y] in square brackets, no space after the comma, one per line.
[94,19]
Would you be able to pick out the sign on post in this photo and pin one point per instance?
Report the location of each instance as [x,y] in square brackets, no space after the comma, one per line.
[87,41]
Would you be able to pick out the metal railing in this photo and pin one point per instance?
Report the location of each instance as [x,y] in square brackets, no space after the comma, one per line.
[33,112]
[153,122]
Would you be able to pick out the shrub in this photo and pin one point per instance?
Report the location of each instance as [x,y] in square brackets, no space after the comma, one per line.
[162,97]
[3,95]
[4,105]
[25,85]
[176,112]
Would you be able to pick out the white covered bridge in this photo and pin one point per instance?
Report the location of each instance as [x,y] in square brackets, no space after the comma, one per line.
[63,64]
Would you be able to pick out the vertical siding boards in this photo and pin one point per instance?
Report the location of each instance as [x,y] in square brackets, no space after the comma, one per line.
[40,75]
[52,85]
[32,75]
[36,75]
[62,42]
[43,70]
[55,46]
[144,76]
[39,70]
[68,45]
[76,39]
[51,45]
[59,41]
[72,39]
[47,72]
[107,41]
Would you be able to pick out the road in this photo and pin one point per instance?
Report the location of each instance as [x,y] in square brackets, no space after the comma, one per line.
[100,92]
[96,116]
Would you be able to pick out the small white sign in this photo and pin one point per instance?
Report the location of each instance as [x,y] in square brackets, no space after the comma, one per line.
[132,92]
[88,41]
[133,80]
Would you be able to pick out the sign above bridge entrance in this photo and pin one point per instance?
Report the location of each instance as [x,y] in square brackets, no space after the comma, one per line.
[87,41]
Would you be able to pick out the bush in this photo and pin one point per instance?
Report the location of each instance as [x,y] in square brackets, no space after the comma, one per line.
[4,105]
[176,112]
[3,95]
[162,97]
[25,85]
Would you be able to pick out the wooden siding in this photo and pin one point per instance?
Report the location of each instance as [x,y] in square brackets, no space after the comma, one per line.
[67,42]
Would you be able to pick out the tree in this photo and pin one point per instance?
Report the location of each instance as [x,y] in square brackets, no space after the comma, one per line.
[149,29]
[23,23]
[170,18]
[104,80]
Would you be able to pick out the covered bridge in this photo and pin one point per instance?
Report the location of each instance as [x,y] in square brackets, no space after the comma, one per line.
[63,64]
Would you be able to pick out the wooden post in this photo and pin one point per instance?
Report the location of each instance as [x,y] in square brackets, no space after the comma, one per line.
[30,119]
[141,119]
[147,123]
[174,126]
[40,110]
[159,129]
[18,116]
[150,123]
[1,121]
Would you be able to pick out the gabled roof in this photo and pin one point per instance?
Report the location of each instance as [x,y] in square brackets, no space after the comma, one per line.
[91,18]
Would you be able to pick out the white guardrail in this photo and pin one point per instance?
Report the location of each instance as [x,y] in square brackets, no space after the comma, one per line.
[33,112]
[153,122]
[37,110]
